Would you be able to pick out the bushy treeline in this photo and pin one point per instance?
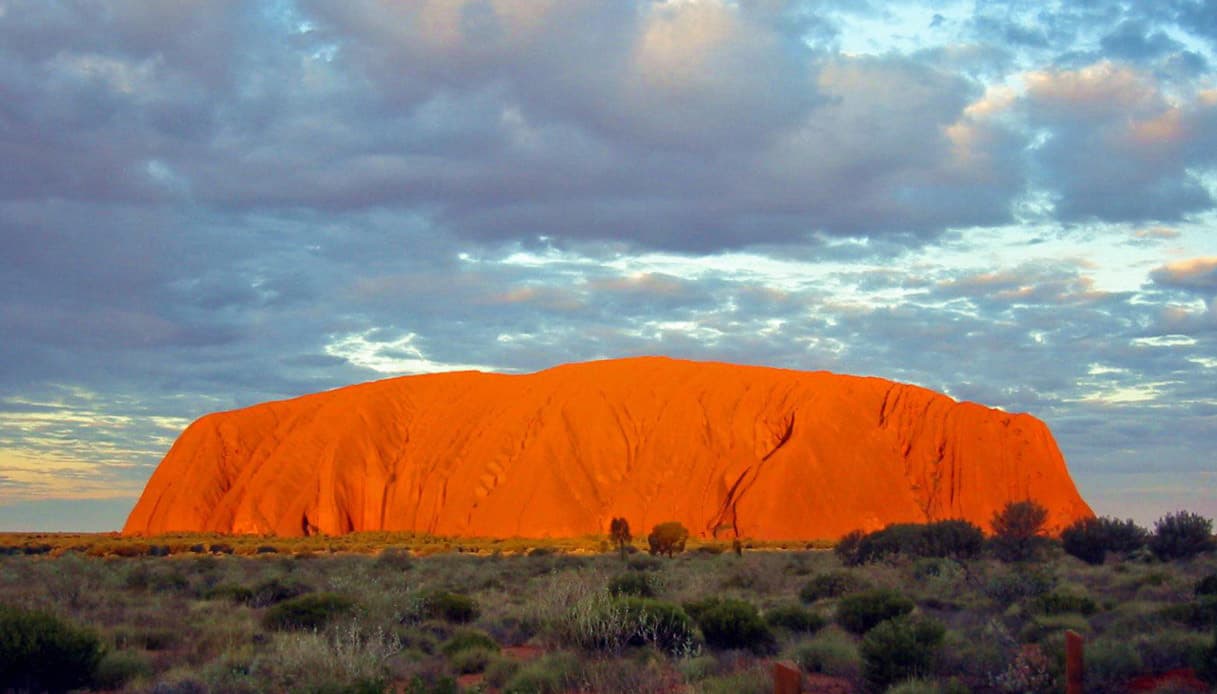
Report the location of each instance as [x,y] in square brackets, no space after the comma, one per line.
[1019,534]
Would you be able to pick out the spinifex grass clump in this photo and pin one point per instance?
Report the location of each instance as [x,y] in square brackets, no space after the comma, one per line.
[306,612]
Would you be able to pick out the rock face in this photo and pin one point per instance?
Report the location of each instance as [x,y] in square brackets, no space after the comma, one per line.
[724,449]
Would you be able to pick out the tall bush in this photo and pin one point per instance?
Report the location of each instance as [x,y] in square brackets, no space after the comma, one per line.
[668,538]
[1018,531]
[1181,535]
[1090,539]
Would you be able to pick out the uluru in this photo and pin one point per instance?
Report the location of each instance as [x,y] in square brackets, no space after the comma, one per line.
[727,450]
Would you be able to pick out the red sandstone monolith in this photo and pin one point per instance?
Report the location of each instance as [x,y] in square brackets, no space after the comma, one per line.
[727,450]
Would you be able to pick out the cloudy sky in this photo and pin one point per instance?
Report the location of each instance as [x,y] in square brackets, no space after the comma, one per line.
[208,204]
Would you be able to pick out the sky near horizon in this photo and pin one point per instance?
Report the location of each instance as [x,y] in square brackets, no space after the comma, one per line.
[204,205]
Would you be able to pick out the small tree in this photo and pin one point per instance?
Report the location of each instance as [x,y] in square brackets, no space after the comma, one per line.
[619,529]
[668,538]
[1018,530]
[1181,535]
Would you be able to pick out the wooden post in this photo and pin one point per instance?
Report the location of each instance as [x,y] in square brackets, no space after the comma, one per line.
[1075,666]
[787,679]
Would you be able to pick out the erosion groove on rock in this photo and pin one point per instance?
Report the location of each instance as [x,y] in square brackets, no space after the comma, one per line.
[725,449]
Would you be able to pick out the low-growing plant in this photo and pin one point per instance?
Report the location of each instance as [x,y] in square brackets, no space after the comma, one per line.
[632,583]
[1023,582]
[795,618]
[1111,663]
[451,607]
[39,651]
[899,649]
[727,623]
[466,639]
[471,660]
[861,612]
[831,652]
[1064,602]
[309,611]
[118,668]
[1181,535]
[831,584]
[550,674]
[395,559]
[1200,613]
[275,590]
[1206,586]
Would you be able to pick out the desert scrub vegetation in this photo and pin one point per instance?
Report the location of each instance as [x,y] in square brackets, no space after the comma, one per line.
[934,615]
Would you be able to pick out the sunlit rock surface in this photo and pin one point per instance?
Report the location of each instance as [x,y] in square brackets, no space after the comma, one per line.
[724,449]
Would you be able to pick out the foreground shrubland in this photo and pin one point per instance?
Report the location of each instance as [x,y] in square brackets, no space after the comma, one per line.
[920,612]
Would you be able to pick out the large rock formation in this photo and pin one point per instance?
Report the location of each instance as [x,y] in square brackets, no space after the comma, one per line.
[724,449]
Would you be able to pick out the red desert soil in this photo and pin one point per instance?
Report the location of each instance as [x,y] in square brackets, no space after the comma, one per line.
[768,453]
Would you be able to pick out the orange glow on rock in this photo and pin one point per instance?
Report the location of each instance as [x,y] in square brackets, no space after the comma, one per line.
[721,448]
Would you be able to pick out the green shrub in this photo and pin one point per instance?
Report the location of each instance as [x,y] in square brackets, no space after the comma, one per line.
[861,612]
[1090,539]
[956,539]
[632,583]
[662,624]
[394,559]
[899,649]
[39,651]
[644,562]
[1207,668]
[471,660]
[1206,586]
[550,674]
[220,548]
[831,653]
[275,590]
[117,668]
[1008,588]
[1111,663]
[229,591]
[953,539]
[1198,614]
[727,623]
[1171,649]
[754,680]
[668,538]
[310,611]
[1042,627]
[795,618]
[935,567]
[466,639]
[1181,535]
[849,548]
[451,607]
[1018,531]
[499,670]
[1061,603]
[832,584]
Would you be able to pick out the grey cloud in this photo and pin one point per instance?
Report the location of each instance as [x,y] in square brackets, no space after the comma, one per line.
[1197,274]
